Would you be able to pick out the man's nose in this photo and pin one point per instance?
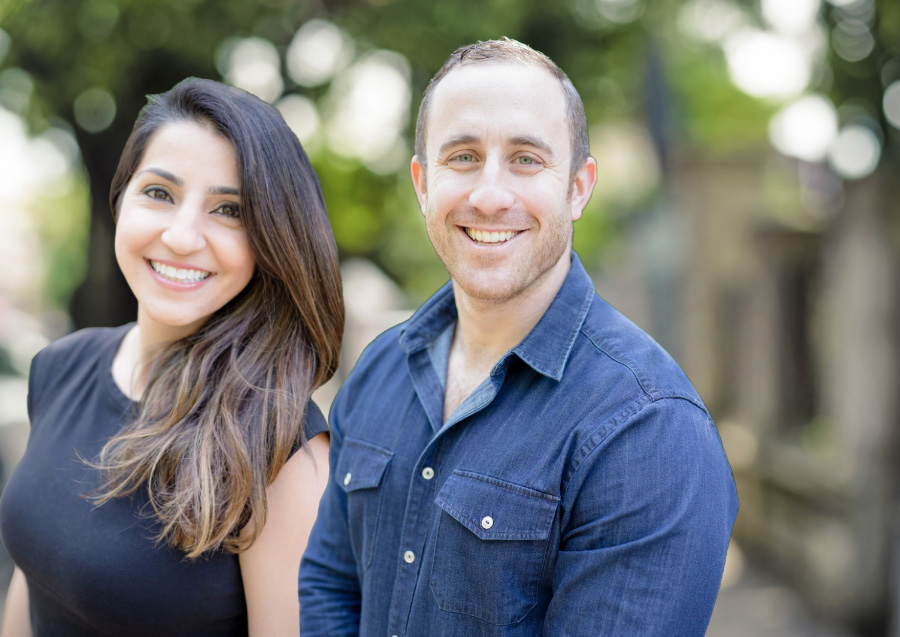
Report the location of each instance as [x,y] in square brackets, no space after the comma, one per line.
[492,192]
[184,234]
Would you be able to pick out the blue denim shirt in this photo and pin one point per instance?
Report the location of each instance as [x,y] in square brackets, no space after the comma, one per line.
[581,490]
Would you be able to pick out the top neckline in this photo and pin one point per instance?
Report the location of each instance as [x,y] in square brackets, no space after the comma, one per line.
[117,397]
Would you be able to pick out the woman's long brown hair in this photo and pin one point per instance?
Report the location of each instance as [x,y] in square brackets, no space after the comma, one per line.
[224,407]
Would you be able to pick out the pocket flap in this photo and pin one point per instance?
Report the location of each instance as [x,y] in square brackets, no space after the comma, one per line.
[361,465]
[497,510]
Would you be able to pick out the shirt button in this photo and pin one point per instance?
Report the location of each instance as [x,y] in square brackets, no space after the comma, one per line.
[487,522]
[409,557]
[346,479]
[428,473]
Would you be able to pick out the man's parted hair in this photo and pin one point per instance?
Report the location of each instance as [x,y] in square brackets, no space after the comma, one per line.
[512,51]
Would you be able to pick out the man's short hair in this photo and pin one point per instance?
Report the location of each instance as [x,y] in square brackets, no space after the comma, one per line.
[507,50]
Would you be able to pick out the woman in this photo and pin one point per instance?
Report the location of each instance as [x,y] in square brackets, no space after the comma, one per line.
[160,492]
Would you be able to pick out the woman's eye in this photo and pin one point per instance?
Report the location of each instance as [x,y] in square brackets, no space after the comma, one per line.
[229,210]
[155,192]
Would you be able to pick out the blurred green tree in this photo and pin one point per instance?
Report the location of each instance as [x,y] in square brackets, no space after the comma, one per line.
[629,59]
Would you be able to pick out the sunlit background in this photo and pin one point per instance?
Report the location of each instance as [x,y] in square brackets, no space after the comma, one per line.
[746,216]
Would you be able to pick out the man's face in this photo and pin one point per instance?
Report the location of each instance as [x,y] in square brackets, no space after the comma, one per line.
[496,189]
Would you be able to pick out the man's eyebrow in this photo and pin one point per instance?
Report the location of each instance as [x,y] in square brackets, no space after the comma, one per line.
[534,142]
[459,140]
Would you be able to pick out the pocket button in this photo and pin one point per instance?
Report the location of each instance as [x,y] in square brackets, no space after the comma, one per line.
[487,522]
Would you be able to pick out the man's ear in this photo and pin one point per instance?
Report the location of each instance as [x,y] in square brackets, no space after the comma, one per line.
[582,187]
[417,172]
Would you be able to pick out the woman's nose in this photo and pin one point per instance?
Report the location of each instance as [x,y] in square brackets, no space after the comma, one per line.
[185,234]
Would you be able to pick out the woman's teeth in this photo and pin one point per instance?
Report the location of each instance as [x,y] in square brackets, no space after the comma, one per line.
[484,236]
[179,275]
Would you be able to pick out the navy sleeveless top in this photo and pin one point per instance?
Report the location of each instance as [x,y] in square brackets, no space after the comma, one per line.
[98,571]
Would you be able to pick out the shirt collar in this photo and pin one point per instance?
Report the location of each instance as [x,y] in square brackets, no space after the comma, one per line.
[545,349]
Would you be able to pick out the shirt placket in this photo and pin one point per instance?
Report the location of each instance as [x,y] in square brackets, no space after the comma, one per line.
[414,533]
[419,515]
[414,528]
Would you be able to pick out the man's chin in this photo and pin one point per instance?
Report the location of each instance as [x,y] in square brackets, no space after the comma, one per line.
[487,290]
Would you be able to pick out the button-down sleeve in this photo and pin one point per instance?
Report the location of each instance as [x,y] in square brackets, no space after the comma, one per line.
[328,584]
[645,525]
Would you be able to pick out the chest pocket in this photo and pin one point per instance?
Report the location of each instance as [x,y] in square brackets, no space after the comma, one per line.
[361,467]
[491,548]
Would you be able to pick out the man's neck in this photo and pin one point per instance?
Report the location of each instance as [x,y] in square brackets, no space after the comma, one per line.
[486,330]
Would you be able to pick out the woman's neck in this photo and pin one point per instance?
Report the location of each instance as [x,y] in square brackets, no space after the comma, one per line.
[134,360]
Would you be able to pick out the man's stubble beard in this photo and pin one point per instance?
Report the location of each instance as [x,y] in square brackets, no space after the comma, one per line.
[526,272]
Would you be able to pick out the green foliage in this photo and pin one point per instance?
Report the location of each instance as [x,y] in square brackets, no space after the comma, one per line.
[135,47]
[63,224]
[715,115]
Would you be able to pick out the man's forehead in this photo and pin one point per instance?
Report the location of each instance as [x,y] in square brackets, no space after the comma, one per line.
[504,91]
[496,72]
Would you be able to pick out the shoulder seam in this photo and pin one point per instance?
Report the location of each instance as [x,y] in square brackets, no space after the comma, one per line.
[603,431]
[620,362]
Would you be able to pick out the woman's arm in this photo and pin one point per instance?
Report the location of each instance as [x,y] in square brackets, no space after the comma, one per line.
[16,620]
[269,567]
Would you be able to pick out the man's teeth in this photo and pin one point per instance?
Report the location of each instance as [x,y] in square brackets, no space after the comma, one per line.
[483,236]
[181,275]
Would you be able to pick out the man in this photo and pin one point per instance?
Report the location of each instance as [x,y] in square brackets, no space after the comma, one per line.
[517,458]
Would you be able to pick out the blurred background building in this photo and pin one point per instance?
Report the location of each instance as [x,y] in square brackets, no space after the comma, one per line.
[747,215]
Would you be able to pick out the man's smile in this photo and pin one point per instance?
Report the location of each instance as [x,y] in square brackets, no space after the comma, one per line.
[490,237]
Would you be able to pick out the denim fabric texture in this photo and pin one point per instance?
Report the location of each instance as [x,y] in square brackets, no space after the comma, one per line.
[581,490]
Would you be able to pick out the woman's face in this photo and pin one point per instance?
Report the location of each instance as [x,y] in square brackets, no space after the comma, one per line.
[180,241]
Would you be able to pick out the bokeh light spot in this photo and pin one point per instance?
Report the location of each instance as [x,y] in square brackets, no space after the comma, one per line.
[767,65]
[863,10]
[371,108]
[855,152]
[795,16]
[253,64]
[619,11]
[711,20]
[318,51]
[16,87]
[805,128]
[852,40]
[4,44]
[891,104]
[301,115]
[627,160]
[95,110]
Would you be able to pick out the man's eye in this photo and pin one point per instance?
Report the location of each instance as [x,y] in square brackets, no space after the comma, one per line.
[525,160]
[465,158]
[229,210]
[155,192]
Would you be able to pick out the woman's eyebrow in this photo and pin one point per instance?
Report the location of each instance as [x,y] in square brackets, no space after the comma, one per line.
[224,190]
[178,181]
[165,174]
